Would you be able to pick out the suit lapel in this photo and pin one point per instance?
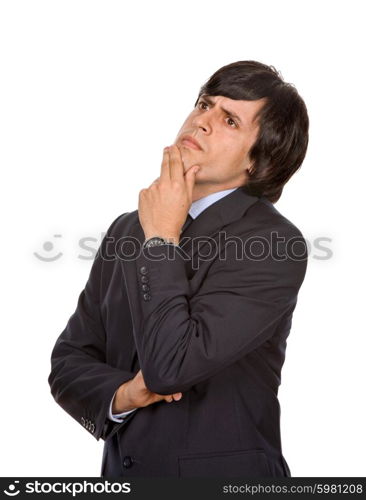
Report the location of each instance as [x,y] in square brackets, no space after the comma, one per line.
[221,213]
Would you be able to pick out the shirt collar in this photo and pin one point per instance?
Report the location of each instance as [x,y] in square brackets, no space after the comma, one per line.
[200,205]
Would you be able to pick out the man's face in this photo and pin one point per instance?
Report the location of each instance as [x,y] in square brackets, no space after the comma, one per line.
[225,140]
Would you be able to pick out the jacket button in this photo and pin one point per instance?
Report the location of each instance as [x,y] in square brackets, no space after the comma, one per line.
[144,279]
[145,288]
[147,296]
[127,462]
[143,270]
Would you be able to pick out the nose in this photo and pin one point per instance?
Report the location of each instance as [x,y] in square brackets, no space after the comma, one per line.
[203,121]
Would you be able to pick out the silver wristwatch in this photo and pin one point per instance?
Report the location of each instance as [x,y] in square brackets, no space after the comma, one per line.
[155,241]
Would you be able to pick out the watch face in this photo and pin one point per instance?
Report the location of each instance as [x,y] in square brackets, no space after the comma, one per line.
[155,241]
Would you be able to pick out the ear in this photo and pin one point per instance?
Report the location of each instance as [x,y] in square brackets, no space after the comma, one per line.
[250,169]
[248,166]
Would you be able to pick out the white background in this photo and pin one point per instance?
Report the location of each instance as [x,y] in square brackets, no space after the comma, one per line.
[91,92]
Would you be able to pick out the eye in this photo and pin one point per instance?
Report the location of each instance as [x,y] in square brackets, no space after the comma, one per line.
[202,102]
[232,122]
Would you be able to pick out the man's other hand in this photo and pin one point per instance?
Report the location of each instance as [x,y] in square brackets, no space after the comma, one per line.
[134,394]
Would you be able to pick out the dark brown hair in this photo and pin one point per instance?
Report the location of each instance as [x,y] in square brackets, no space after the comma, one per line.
[283,136]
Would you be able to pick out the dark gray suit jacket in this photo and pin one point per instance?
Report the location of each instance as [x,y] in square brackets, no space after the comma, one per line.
[213,327]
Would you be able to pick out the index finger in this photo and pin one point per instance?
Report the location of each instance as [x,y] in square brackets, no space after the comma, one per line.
[176,164]
[165,169]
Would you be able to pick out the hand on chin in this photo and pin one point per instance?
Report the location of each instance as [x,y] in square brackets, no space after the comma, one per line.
[187,163]
[187,159]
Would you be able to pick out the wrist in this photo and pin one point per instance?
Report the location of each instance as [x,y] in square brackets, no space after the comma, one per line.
[121,401]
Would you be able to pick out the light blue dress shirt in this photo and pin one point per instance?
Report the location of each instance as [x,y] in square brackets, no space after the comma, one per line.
[197,207]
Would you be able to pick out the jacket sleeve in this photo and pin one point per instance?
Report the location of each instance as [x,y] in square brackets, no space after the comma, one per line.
[81,381]
[182,338]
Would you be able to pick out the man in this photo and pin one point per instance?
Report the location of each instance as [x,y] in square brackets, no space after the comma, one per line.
[190,298]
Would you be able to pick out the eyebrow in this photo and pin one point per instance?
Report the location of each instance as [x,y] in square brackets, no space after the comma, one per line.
[228,112]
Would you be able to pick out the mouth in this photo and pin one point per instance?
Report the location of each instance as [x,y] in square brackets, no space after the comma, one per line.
[190,142]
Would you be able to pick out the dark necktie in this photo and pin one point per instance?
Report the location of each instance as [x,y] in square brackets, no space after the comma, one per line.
[189,219]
